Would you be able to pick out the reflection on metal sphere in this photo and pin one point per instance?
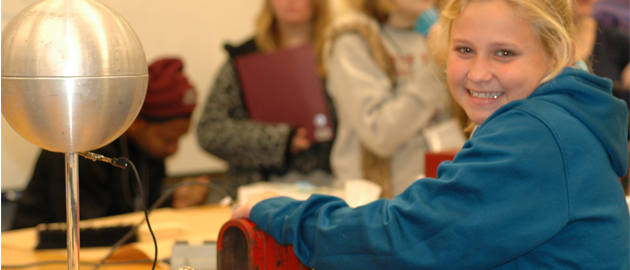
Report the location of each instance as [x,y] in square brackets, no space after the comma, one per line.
[74,75]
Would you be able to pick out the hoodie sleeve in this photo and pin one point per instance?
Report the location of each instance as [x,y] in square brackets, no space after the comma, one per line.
[503,196]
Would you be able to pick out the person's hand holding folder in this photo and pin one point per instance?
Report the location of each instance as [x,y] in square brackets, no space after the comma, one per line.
[300,141]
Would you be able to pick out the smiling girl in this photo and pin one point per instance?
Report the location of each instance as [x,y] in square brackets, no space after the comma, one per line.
[535,187]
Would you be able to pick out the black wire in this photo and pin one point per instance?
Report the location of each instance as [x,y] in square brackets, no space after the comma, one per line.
[146,213]
[124,150]
[156,204]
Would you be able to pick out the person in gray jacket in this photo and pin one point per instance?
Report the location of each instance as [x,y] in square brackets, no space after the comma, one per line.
[388,93]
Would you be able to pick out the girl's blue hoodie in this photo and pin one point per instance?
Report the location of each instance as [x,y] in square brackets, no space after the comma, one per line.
[536,187]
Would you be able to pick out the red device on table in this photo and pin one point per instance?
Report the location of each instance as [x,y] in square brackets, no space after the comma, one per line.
[243,246]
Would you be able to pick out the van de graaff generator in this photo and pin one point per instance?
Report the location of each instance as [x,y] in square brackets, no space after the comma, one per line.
[74,77]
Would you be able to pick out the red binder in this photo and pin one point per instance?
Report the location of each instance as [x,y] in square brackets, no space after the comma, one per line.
[284,87]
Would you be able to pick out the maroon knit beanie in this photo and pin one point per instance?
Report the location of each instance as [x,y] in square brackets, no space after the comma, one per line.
[169,95]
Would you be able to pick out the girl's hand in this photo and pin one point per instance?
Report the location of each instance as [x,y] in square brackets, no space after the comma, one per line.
[244,210]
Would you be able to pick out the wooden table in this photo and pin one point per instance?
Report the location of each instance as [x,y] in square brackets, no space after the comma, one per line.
[195,225]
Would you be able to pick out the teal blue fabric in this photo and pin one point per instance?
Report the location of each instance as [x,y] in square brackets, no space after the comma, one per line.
[536,187]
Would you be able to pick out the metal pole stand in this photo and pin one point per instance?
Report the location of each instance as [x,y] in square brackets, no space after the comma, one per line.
[72,209]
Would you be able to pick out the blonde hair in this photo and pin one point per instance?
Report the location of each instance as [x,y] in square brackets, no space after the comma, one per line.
[267,37]
[439,4]
[552,21]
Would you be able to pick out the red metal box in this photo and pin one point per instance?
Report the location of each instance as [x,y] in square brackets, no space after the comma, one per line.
[242,245]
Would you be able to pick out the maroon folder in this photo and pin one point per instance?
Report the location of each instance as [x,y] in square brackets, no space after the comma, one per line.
[284,87]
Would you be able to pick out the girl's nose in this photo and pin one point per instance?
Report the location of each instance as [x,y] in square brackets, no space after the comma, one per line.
[480,70]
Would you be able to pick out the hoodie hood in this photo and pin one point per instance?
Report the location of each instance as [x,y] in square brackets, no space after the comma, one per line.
[593,104]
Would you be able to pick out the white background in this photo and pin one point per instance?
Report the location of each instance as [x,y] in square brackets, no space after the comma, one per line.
[194,30]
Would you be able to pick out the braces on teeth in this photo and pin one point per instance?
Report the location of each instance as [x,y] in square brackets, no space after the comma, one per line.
[484,95]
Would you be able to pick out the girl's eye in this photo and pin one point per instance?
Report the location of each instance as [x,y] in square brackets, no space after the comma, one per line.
[465,50]
[504,53]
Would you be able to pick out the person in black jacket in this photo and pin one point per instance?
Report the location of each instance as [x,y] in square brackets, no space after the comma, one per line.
[105,190]
[257,151]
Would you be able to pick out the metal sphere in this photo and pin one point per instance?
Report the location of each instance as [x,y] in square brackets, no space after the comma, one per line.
[74,75]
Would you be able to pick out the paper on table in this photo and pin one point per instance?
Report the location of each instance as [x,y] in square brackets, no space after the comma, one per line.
[355,192]
[358,192]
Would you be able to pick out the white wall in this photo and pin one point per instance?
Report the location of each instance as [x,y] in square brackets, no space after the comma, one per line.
[195,30]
